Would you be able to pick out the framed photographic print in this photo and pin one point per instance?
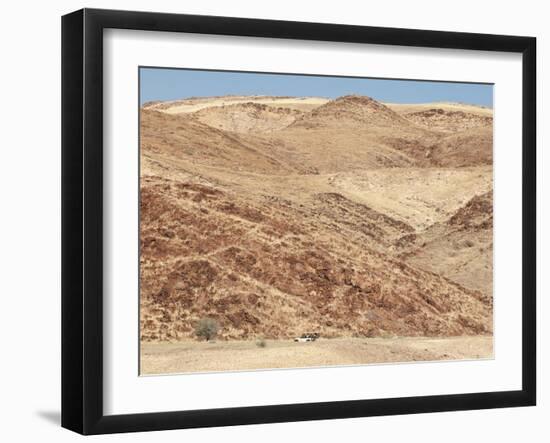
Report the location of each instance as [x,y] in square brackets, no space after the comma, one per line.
[269,221]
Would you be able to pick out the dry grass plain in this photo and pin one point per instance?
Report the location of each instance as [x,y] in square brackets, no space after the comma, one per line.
[192,356]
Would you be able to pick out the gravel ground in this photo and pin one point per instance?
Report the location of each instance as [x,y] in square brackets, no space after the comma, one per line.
[166,358]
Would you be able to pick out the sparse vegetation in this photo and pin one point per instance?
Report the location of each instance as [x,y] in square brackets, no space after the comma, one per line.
[207,328]
[261,343]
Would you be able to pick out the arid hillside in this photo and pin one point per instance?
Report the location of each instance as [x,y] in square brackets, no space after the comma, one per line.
[460,248]
[279,215]
[191,105]
[248,117]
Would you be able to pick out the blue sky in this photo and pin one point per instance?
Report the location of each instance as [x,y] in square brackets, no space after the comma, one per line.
[172,84]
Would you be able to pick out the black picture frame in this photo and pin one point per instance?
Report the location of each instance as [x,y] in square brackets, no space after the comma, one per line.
[82,218]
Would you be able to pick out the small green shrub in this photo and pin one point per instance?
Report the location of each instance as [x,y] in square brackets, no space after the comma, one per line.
[207,328]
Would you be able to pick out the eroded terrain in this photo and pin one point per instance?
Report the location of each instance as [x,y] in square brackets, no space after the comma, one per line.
[280,215]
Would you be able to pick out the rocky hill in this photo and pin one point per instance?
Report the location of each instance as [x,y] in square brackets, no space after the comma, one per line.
[449,121]
[248,117]
[351,110]
[347,218]
[460,248]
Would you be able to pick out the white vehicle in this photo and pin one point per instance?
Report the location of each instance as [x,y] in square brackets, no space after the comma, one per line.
[302,339]
[306,338]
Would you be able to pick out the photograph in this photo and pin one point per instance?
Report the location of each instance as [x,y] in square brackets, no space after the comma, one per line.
[295,221]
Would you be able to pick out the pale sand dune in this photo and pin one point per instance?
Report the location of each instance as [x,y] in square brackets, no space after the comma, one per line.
[191,356]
